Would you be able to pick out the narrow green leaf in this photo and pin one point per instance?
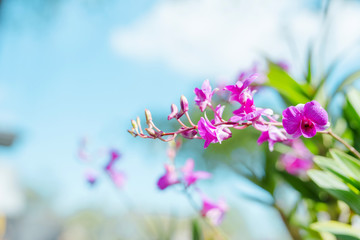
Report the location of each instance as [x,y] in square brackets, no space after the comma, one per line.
[309,63]
[348,80]
[336,187]
[348,163]
[196,230]
[343,83]
[352,115]
[340,169]
[341,230]
[290,90]
[307,189]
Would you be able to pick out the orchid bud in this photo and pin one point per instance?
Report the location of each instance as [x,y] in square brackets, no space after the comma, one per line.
[189,134]
[132,132]
[151,132]
[184,104]
[135,126]
[138,123]
[148,117]
[174,111]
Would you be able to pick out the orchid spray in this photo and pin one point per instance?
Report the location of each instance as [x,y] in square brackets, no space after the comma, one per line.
[301,120]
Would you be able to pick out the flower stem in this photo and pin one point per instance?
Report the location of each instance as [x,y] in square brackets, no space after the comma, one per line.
[338,138]
[188,117]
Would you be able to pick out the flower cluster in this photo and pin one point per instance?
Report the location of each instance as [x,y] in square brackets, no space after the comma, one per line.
[304,119]
[92,175]
[186,177]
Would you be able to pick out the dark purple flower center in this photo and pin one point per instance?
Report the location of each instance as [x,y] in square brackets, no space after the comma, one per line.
[307,124]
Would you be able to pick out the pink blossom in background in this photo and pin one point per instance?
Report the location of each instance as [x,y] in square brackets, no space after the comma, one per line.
[82,150]
[272,135]
[191,176]
[214,211]
[169,178]
[284,65]
[295,165]
[117,177]
[211,133]
[91,176]
[204,95]
[299,160]
[114,156]
[305,119]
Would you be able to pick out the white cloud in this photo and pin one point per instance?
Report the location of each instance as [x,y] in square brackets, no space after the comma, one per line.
[219,37]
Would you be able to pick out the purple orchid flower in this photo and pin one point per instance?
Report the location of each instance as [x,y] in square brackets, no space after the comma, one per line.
[238,92]
[214,211]
[204,95]
[211,133]
[272,135]
[169,178]
[248,112]
[219,112]
[305,119]
[191,176]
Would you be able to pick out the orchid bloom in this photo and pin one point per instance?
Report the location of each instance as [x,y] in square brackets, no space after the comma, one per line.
[191,176]
[305,119]
[214,211]
[238,90]
[204,95]
[211,133]
[169,178]
[219,112]
[272,135]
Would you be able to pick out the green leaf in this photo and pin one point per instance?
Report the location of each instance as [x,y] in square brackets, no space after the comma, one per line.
[290,90]
[352,115]
[307,189]
[309,63]
[347,81]
[341,168]
[196,230]
[349,164]
[341,230]
[336,188]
